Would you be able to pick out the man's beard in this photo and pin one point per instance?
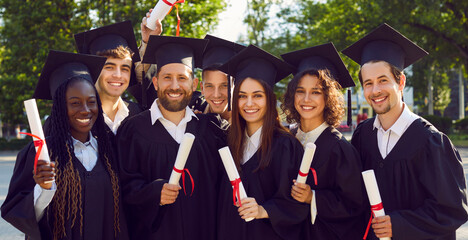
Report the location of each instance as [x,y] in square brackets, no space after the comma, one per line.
[174,106]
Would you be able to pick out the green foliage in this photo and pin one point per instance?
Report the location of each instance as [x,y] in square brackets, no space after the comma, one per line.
[462,125]
[13,144]
[32,27]
[439,26]
[443,124]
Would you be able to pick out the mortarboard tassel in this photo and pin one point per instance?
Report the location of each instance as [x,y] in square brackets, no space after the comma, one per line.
[229,92]
[144,100]
[350,116]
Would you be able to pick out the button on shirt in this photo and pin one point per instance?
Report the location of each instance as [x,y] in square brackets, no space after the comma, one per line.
[176,131]
[86,153]
[386,140]
[122,113]
[252,145]
[311,137]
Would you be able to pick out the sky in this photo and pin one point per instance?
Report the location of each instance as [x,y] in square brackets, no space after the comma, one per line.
[231,25]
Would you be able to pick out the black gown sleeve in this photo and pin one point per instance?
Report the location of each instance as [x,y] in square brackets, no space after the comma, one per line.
[18,208]
[285,213]
[341,205]
[445,209]
[136,189]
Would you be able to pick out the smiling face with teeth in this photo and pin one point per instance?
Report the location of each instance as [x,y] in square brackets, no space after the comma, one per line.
[381,89]
[175,86]
[82,108]
[115,77]
[215,90]
[252,104]
[309,101]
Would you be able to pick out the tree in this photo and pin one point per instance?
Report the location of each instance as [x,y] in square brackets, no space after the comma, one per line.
[439,26]
[32,27]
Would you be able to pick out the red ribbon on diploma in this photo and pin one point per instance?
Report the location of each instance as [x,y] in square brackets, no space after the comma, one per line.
[183,178]
[314,173]
[376,207]
[177,13]
[236,191]
[37,143]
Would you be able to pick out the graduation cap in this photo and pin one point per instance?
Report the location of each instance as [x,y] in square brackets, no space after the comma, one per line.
[107,38]
[385,44]
[162,50]
[322,57]
[63,66]
[217,52]
[256,63]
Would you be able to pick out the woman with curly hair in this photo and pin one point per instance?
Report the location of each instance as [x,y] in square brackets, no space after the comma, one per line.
[266,154]
[77,194]
[334,188]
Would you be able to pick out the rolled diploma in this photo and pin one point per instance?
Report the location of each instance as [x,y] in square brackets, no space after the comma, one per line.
[306,161]
[373,192]
[36,126]
[232,172]
[159,12]
[181,159]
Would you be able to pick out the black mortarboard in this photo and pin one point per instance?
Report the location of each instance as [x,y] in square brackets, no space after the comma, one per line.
[256,63]
[217,52]
[62,66]
[163,50]
[108,37]
[321,57]
[385,44]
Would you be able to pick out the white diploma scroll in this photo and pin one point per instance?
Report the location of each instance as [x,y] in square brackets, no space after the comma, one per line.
[181,159]
[36,126]
[306,162]
[159,12]
[232,172]
[374,195]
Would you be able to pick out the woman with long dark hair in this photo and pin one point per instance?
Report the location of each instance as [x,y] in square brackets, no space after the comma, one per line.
[77,195]
[314,102]
[267,155]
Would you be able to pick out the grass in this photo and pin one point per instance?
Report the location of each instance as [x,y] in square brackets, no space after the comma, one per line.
[459,140]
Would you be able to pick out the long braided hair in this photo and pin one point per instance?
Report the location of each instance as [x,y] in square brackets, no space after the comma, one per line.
[67,202]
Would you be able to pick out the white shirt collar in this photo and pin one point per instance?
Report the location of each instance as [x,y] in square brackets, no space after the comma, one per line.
[255,138]
[252,144]
[401,124]
[311,136]
[157,114]
[122,113]
[92,141]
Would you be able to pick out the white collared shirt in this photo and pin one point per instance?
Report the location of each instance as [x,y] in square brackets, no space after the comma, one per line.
[252,144]
[176,131]
[386,140]
[86,153]
[122,113]
[311,137]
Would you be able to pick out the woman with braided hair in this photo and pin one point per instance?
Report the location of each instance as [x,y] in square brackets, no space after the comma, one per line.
[77,194]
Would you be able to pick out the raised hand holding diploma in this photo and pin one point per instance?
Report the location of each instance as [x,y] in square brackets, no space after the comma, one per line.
[373,193]
[181,159]
[233,175]
[37,133]
[146,31]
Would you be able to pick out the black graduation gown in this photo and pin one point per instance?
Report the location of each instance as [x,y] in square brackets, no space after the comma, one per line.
[271,188]
[339,193]
[147,155]
[421,181]
[97,203]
